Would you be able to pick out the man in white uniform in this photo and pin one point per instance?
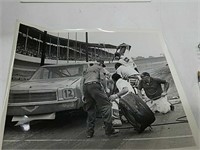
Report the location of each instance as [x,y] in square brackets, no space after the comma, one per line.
[126,61]
[125,71]
[124,56]
[124,88]
[122,85]
[128,73]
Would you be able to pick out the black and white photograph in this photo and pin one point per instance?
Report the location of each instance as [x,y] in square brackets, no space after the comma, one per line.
[101,89]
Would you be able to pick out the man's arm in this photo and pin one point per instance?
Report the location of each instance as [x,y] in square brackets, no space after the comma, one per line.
[106,73]
[134,64]
[122,92]
[139,89]
[118,95]
[166,87]
[102,78]
[140,93]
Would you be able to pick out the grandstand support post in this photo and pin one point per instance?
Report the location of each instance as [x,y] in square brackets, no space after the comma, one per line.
[50,48]
[43,48]
[108,55]
[95,53]
[58,49]
[75,52]
[105,51]
[86,36]
[27,30]
[68,48]
[80,51]
[39,45]
[98,52]
[101,52]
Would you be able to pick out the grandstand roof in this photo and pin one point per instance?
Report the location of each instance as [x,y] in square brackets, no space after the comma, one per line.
[36,33]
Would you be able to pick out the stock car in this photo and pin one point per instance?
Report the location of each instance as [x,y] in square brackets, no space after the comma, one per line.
[52,88]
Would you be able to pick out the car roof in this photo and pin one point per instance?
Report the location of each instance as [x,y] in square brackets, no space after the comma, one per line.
[68,64]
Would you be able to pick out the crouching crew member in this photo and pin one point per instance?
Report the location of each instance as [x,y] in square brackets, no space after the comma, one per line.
[124,88]
[153,90]
[96,99]
[125,71]
[122,85]
[128,73]
[126,61]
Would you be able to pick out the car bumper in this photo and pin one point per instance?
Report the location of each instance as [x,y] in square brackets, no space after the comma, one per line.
[33,108]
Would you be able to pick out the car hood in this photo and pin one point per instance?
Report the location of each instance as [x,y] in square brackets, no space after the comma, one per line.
[47,84]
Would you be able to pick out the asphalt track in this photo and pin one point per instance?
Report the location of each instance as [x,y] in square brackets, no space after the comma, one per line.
[67,131]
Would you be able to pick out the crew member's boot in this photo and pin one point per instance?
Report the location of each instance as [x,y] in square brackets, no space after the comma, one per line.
[109,130]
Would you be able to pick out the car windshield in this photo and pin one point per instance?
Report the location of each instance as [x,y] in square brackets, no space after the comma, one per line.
[58,72]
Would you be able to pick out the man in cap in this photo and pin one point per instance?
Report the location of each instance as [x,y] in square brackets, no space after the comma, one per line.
[97,99]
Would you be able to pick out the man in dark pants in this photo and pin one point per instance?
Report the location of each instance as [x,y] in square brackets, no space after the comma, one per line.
[154,91]
[96,99]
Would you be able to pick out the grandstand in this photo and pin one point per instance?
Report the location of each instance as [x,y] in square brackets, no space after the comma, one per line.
[58,50]
[30,40]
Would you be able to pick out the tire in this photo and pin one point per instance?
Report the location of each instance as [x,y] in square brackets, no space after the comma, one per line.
[136,112]
[129,116]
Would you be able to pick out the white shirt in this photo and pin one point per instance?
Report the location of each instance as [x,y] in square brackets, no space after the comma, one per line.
[127,60]
[122,84]
[126,71]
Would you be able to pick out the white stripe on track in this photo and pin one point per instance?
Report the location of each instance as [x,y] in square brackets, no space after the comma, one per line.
[91,140]
[160,138]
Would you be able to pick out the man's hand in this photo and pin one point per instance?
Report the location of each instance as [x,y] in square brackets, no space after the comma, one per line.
[113,97]
[125,77]
[107,90]
[163,94]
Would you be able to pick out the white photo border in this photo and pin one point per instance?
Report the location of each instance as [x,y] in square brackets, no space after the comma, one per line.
[184,100]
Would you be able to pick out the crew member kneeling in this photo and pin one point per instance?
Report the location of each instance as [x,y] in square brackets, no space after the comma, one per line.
[154,91]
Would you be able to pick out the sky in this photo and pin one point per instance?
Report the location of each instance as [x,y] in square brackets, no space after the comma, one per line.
[142,43]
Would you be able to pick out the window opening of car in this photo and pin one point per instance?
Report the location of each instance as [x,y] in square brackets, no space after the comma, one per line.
[59,72]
